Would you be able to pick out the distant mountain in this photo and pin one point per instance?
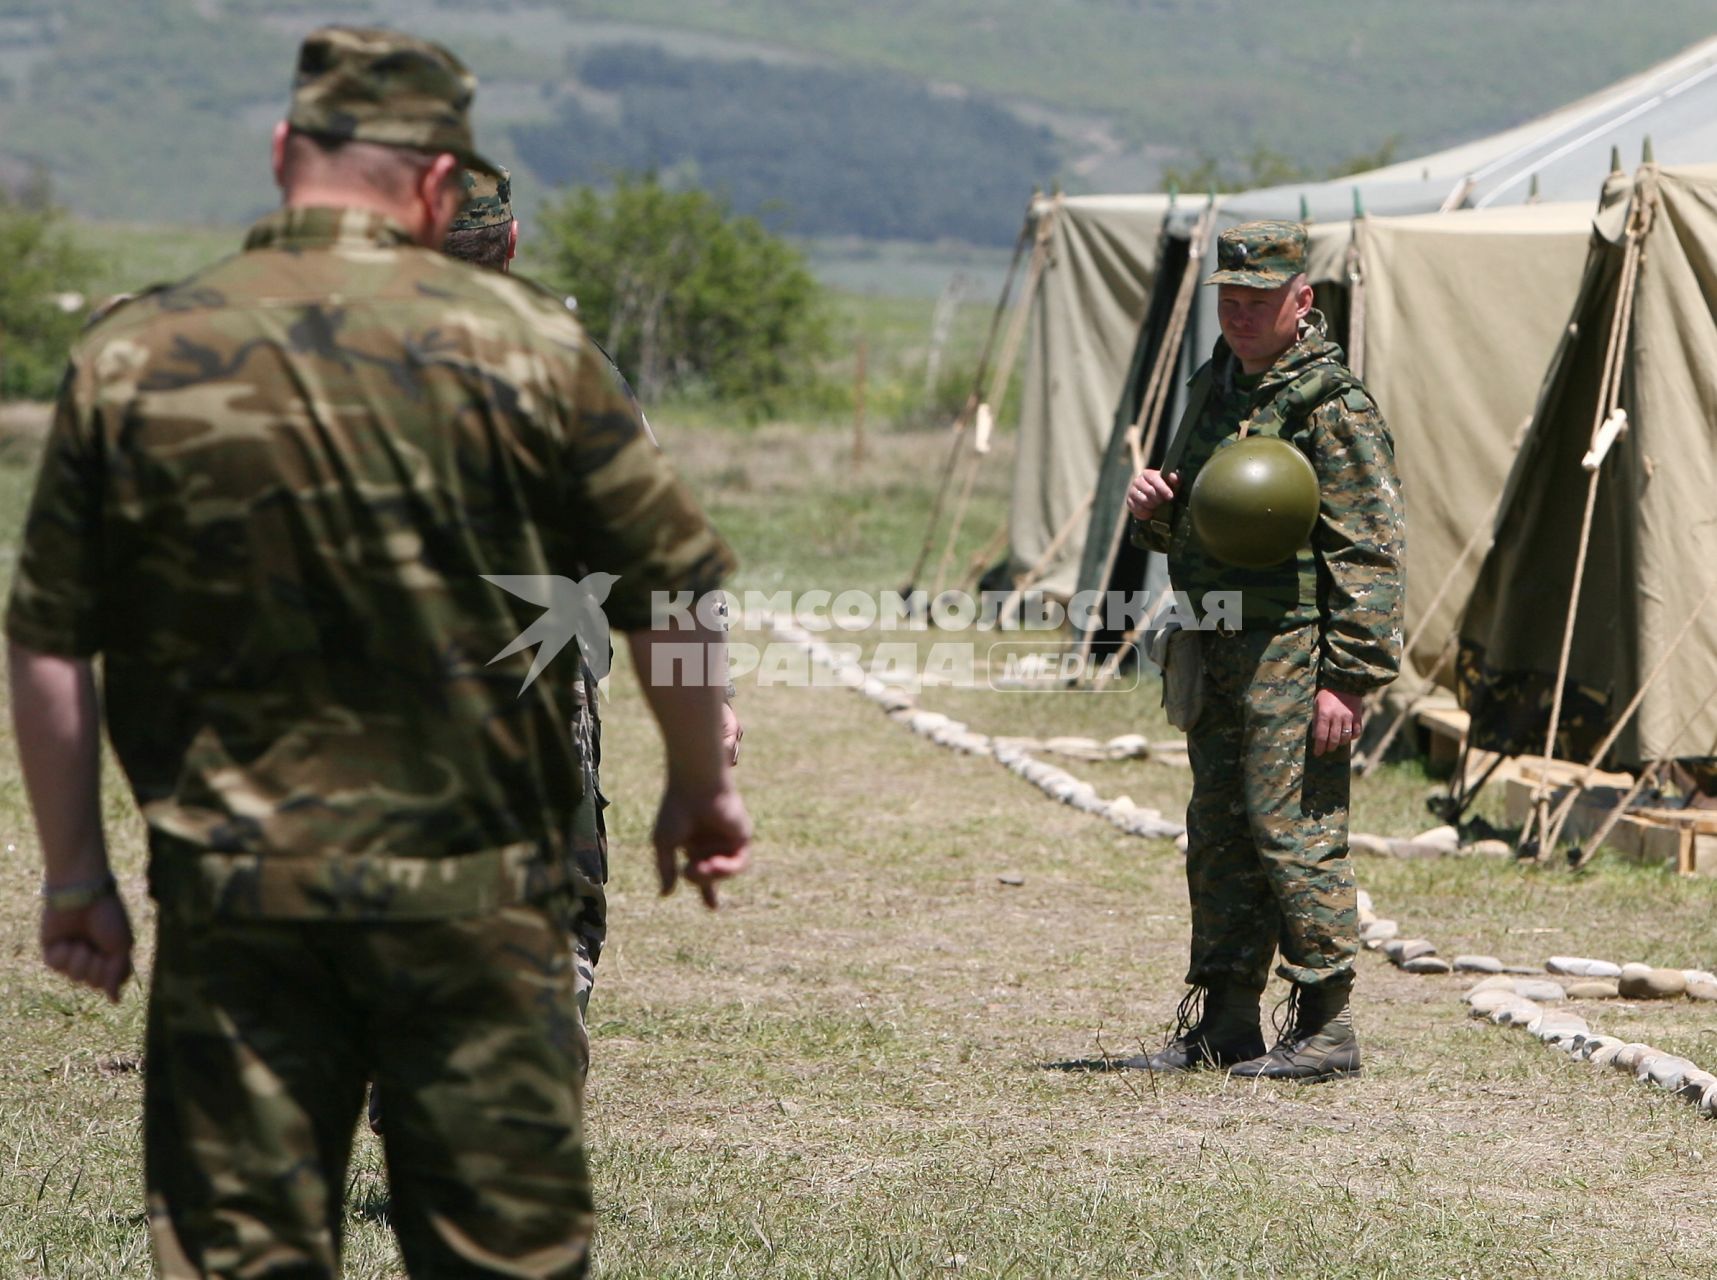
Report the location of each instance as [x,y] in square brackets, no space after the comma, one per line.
[920,120]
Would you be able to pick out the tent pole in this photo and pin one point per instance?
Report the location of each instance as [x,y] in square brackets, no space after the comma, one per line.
[956,526]
[1167,356]
[1590,851]
[1140,439]
[1025,581]
[999,385]
[1647,774]
[1458,197]
[985,553]
[1356,299]
[1609,397]
[972,400]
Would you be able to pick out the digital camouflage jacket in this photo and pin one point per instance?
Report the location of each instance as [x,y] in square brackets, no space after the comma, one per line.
[1350,578]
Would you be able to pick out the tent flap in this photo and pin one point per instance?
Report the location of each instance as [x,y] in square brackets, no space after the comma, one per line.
[1645,622]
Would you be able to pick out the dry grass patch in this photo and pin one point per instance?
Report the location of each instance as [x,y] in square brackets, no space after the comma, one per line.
[840,1073]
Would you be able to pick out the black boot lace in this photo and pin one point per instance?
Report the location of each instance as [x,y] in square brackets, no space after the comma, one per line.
[1189,1016]
[1285,1019]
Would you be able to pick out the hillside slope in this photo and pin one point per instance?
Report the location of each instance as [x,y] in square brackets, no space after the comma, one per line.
[876,118]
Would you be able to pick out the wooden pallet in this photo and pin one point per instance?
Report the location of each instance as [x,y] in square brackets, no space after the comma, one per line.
[1445,728]
[1685,839]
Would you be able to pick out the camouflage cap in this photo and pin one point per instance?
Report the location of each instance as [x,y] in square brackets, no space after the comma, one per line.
[368,84]
[1260,255]
[488,200]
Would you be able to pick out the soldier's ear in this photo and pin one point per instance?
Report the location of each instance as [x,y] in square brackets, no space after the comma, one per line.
[512,239]
[277,153]
[440,195]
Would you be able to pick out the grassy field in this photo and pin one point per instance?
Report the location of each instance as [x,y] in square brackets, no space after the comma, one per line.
[840,1073]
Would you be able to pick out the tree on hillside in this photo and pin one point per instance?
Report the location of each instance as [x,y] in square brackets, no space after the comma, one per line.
[684,294]
[40,311]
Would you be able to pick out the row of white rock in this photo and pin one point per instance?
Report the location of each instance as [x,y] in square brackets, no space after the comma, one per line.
[1499,1000]
[1014,754]
[1518,1002]
[1439,842]
[1593,979]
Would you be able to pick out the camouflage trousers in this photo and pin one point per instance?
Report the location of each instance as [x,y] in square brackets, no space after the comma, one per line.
[261,1037]
[1267,862]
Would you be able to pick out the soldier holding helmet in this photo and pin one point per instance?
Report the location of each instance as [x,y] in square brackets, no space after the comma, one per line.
[1271,746]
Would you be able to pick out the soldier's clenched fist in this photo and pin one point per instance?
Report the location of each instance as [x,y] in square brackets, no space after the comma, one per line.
[1150,490]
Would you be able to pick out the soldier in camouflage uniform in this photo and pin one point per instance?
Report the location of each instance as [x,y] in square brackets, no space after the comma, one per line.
[1271,750]
[269,500]
[485,233]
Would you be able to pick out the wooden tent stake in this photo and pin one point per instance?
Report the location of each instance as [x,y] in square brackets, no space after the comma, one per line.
[998,385]
[973,398]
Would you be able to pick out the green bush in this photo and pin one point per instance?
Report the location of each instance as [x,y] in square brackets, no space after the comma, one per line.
[41,263]
[685,296]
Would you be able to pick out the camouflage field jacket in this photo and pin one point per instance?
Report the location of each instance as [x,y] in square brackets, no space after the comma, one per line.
[269,499]
[1350,578]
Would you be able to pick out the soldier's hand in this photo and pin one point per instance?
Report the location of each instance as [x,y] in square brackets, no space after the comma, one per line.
[712,831]
[1339,719]
[90,945]
[1150,490]
[731,732]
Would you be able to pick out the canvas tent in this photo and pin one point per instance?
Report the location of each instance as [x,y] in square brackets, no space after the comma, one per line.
[1461,313]
[1101,266]
[1457,315]
[1559,157]
[1643,339]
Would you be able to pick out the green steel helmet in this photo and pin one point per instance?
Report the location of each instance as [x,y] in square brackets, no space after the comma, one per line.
[1255,502]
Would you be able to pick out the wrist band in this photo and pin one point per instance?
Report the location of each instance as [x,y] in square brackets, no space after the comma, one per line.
[75,897]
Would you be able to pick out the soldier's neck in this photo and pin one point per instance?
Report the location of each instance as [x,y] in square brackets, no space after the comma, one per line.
[1252,368]
[409,214]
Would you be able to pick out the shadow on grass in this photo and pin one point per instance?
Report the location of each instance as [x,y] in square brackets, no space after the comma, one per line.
[372,1204]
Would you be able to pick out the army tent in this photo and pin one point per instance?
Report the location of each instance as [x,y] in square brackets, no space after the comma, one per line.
[1599,583]
[1097,278]
[1561,157]
[1456,316]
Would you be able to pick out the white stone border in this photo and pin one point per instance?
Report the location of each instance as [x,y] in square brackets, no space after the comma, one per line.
[1510,1002]
[1014,754]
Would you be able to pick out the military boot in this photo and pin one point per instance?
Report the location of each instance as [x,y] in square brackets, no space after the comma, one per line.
[1317,1040]
[1215,1026]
